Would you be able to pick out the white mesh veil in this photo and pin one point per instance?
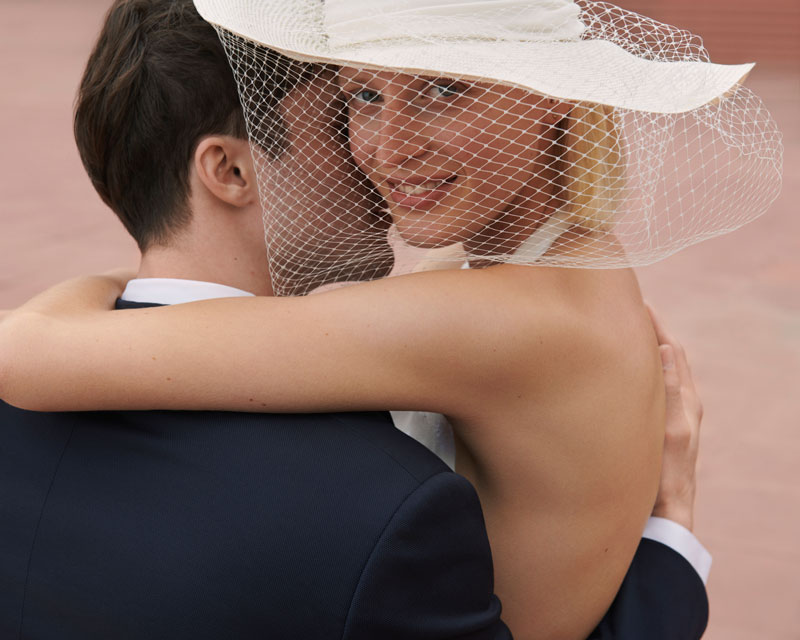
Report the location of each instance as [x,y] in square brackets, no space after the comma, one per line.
[366,168]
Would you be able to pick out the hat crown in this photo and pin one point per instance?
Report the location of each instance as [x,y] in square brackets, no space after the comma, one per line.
[349,23]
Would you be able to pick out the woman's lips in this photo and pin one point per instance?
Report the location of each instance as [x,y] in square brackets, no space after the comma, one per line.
[419,193]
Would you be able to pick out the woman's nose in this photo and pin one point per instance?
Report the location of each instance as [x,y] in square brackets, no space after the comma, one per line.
[400,135]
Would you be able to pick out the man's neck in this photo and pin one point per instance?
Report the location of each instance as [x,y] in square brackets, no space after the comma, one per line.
[222,268]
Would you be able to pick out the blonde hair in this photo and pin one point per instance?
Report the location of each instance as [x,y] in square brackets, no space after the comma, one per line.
[590,166]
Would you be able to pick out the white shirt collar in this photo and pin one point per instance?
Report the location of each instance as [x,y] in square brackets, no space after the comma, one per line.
[175,291]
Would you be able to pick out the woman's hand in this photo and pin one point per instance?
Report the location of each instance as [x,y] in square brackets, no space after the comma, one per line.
[83,295]
[676,492]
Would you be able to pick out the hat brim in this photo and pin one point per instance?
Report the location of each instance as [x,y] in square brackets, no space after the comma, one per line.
[596,71]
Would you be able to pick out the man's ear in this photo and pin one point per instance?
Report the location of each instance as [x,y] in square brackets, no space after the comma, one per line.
[224,165]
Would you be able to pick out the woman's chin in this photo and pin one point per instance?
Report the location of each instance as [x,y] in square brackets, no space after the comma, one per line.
[425,239]
[434,232]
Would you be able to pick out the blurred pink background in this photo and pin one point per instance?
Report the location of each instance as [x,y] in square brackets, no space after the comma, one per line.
[734,301]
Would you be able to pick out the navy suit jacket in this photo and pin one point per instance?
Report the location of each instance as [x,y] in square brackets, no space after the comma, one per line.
[225,525]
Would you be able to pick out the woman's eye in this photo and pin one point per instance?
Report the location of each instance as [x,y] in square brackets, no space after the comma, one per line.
[366,96]
[446,90]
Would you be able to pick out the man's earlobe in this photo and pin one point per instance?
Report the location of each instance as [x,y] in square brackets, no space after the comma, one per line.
[224,166]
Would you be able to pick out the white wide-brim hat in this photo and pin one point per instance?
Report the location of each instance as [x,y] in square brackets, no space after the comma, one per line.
[558,48]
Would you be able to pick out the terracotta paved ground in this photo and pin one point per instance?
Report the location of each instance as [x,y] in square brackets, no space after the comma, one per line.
[734,301]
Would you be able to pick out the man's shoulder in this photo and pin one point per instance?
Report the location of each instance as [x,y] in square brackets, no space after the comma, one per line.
[278,509]
[342,474]
[368,437]
[331,472]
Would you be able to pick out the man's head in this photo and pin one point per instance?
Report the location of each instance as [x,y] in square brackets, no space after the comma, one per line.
[160,129]
[156,83]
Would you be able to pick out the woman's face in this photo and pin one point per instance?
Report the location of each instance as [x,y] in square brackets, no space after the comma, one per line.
[449,157]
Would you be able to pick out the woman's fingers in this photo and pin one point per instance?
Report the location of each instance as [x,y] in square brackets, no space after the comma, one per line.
[79,295]
[690,397]
[676,491]
[661,331]
[684,413]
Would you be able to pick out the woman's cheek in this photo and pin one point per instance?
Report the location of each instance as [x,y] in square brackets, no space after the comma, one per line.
[359,148]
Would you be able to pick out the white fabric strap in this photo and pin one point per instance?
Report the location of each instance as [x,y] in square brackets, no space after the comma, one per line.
[539,242]
[175,291]
[681,540]
[543,238]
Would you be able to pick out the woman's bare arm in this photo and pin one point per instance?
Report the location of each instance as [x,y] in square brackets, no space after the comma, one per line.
[424,341]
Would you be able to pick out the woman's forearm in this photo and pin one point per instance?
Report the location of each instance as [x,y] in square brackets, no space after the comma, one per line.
[25,363]
[400,343]
[34,339]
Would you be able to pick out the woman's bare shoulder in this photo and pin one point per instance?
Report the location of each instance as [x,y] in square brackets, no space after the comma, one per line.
[575,314]
[586,380]
[566,336]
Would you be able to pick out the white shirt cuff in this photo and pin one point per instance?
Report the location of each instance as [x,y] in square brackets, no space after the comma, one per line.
[682,541]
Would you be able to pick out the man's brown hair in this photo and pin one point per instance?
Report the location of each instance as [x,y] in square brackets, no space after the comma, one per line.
[156,82]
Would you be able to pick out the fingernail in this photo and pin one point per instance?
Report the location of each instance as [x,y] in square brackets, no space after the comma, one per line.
[667,358]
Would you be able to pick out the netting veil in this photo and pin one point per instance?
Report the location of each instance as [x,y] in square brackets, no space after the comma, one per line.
[393,134]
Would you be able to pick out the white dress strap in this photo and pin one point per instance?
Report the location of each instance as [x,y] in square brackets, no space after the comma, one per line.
[540,241]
